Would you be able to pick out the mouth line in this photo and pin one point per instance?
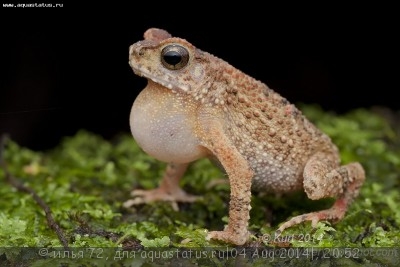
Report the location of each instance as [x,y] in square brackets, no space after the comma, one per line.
[169,85]
[154,79]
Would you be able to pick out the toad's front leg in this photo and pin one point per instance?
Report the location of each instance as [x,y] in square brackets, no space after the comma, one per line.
[240,176]
[169,189]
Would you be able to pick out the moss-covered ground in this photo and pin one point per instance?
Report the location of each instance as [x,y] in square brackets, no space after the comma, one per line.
[86,179]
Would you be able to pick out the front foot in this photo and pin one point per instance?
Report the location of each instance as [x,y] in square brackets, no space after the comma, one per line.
[159,194]
[230,236]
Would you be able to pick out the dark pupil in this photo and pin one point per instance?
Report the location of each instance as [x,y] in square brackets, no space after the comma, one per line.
[172,57]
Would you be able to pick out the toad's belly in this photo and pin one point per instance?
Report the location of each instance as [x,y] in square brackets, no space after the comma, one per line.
[277,178]
[161,126]
[274,173]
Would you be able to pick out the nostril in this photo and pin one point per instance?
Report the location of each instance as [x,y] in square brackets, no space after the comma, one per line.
[136,50]
[131,49]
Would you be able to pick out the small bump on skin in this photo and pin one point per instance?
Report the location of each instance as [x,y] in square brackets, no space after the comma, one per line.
[272,132]
[290,143]
[241,99]
[256,113]
[200,106]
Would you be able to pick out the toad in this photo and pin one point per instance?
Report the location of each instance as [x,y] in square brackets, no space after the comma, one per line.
[196,105]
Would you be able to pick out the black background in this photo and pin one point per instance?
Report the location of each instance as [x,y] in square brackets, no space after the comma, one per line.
[66,69]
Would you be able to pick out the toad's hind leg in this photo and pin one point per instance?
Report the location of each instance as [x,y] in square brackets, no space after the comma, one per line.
[321,180]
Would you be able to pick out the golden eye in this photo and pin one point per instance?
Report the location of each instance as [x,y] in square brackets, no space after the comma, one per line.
[174,57]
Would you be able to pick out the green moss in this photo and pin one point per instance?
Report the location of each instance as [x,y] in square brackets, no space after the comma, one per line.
[86,179]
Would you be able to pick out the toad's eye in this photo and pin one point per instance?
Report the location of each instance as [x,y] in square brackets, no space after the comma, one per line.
[174,57]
